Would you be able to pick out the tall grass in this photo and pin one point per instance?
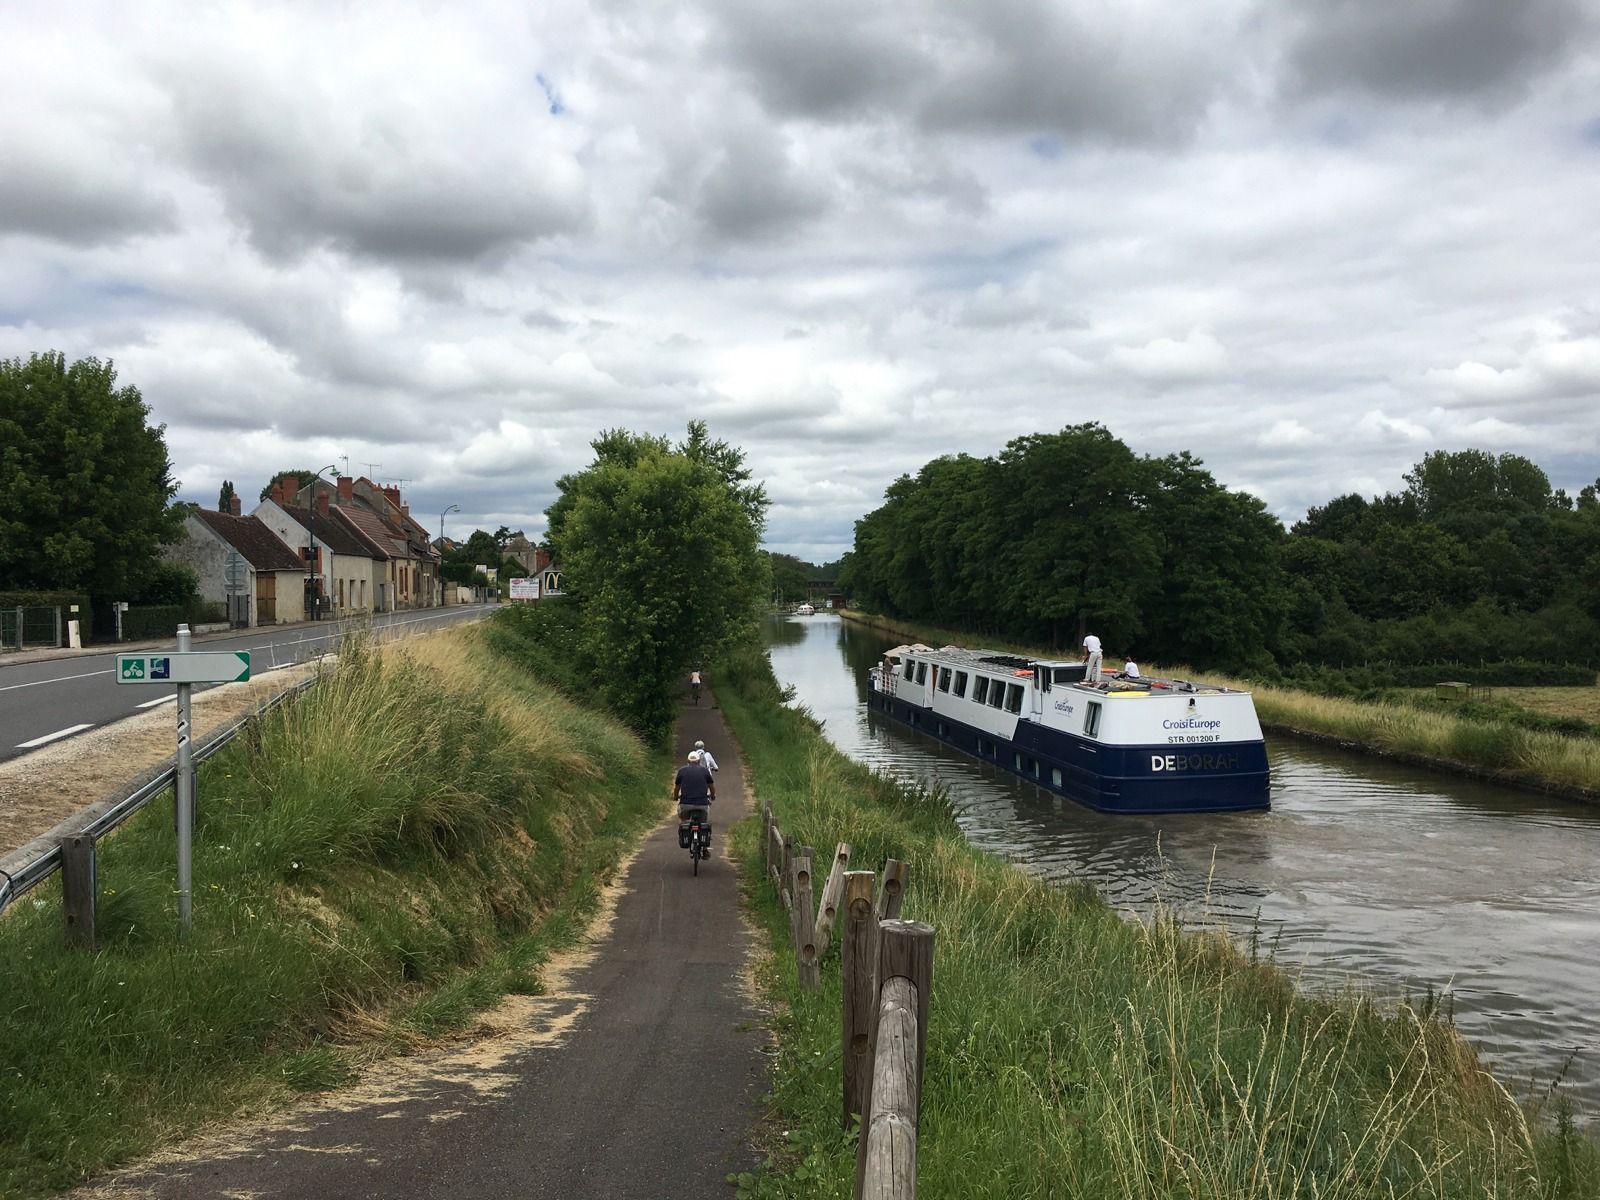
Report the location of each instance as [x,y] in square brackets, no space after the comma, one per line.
[372,864]
[1074,1053]
[1486,744]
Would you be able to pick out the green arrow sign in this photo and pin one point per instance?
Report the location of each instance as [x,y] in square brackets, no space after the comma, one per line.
[196,666]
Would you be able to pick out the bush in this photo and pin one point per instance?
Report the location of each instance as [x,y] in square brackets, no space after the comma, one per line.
[168,584]
[162,620]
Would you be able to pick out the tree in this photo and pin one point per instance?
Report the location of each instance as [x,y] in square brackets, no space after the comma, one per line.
[303,479]
[85,481]
[225,496]
[660,552]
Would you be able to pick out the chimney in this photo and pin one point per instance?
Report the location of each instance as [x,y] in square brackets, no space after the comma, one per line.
[347,490]
[322,501]
[291,488]
[235,505]
[277,494]
[393,493]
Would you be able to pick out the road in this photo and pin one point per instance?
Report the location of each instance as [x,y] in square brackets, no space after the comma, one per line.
[43,702]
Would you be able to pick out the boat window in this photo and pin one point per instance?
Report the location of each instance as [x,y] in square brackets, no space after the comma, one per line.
[1091,719]
[997,693]
[944,679]
[922,672]
[961,683]
[1017,761]
[1014,698]
[980,688]
[1065,674]
[1055,776]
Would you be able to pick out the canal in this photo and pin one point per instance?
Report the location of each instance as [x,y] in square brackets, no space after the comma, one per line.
[1396,878]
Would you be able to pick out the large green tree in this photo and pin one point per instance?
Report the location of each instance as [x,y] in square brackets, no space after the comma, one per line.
[85,482]
[659,546]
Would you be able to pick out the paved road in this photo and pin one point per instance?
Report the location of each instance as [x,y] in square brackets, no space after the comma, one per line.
[638,1080]
[44,701]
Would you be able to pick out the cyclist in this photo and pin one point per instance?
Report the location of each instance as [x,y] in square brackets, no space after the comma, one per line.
[693,789]
[706,758]
[694,684]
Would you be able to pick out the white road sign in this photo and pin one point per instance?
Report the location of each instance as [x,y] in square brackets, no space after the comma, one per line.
[194,666]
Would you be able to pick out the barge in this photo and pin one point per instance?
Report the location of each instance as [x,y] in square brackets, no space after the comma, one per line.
[1118,744]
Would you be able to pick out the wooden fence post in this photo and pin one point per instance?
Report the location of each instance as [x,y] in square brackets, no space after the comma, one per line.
[794,890]
[893,892]
[775,857]
[78,889]
[857,954]
[785,892]
[805,944]
[766,833]
[886,1155]
[828,910]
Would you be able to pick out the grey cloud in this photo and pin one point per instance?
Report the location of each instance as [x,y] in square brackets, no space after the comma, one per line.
[755,192]
[1425,49]
[72,203]
[288,170]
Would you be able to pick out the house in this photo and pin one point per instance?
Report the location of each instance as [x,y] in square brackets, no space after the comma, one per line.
[241,563]
[404,566]
[344,563]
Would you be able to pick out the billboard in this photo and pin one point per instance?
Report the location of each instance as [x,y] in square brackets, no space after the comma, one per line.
[524,589]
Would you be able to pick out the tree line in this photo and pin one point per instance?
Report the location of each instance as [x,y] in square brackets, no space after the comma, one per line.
[1477,558]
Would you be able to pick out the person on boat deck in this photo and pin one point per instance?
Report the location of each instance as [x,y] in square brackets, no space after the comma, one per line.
[1130,669]
[1091,650]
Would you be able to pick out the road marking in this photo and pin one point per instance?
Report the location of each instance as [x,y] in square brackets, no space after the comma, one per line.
[11,687]
[50,737]
[158,700]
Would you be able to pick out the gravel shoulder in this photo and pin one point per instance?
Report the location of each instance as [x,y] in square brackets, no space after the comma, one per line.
[40,789]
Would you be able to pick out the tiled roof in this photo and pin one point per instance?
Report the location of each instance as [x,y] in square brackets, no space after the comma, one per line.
[359,522]
[251,538]
[331,533]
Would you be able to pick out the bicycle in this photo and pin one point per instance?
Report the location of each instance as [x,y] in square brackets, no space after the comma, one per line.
[698,839]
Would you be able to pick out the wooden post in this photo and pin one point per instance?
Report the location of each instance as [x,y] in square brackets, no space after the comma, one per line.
[788,862]
[828,910]
[78,889]
[805,944]
[766,833]
[893,892]
[775,857]
[794,890]
[857,954]
[900,1026]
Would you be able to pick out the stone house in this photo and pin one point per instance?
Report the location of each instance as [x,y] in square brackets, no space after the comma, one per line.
[241,564]
[345,567]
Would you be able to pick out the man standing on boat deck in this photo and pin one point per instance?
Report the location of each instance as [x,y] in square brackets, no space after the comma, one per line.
[1091,650]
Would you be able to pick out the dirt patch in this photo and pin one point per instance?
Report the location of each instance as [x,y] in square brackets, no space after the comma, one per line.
[40,789]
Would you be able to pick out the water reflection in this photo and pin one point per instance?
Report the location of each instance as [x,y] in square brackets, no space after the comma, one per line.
[1400,877]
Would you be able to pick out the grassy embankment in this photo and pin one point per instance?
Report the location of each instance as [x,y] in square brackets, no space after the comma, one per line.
[1075,1053]
[385,857]
[1478,740]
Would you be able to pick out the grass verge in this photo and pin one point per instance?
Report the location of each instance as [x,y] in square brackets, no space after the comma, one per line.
[1075,1053]
[373,865]
[1482,742]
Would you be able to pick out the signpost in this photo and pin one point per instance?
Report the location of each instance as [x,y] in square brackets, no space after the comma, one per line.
[184,668]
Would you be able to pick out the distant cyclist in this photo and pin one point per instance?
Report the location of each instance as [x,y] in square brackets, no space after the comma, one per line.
[694,790]
[707,758]
[694,684]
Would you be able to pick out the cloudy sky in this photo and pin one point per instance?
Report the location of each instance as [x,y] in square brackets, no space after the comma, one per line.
[1308,242]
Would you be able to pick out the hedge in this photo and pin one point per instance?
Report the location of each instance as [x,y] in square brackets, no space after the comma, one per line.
[162,620]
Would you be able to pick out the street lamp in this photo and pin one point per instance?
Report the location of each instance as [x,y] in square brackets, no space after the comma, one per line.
[311,561]
[451,509]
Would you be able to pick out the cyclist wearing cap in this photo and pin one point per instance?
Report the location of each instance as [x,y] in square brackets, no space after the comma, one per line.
[693,788]
[706,758]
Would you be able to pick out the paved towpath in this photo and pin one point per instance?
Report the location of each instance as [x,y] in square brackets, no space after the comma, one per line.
[638,1075]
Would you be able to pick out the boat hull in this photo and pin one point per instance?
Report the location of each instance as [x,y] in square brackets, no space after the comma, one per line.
[1216,777]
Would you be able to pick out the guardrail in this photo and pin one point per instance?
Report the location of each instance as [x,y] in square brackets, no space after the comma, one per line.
[67,844]
[886,967]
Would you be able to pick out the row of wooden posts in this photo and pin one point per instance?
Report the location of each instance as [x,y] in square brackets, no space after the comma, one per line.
[886,967]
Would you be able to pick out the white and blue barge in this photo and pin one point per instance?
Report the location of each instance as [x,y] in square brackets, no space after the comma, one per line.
[1121,745]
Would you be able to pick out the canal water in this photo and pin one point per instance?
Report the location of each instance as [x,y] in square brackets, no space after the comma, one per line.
[1397,878]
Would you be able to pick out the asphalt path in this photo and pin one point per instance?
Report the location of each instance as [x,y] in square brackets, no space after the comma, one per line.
[46,700]
[639,1080]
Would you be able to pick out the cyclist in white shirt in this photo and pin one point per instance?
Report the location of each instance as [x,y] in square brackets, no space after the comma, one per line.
[706,759]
